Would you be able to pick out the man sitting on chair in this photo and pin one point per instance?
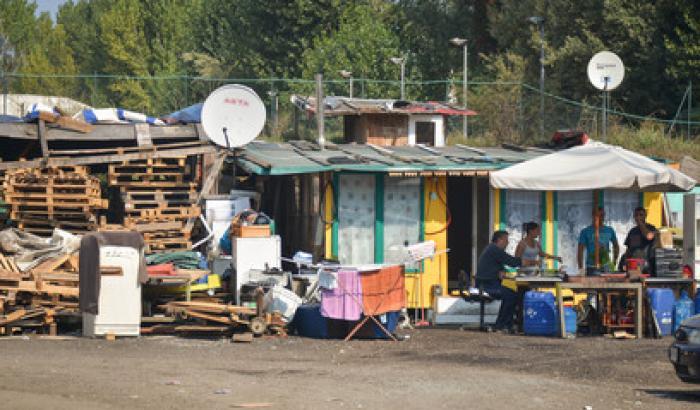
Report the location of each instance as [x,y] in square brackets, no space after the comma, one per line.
[489,272]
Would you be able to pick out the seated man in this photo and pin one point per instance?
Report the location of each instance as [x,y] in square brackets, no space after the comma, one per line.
[586,241]
[641,240]
[489,272]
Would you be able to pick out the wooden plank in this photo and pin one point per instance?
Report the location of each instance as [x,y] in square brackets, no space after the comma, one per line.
[143,135]
[50,265]
[73,124]
[159,152]
[42,140]
[219,319]
[209,183]
[13,317]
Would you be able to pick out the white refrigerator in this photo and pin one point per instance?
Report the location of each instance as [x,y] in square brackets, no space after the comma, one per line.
[253,253]
[119,302]
[691,232]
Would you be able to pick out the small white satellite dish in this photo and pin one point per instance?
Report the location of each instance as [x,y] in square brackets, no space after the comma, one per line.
[606,71]
[233,115]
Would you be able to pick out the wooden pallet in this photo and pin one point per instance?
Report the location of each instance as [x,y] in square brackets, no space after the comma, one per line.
[133,196]
[163,213]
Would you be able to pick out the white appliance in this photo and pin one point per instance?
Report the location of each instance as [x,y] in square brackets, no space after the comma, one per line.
[253,253]
[450,310]
[220,212]
[691,232]
[119,303]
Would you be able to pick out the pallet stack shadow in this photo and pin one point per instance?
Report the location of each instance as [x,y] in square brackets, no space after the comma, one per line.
[159,198]
[40,200]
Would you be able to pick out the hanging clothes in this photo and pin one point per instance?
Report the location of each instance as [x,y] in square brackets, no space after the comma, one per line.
[345,301]
[383,290]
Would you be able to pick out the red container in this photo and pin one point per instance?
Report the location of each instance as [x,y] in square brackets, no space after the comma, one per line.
[633,264]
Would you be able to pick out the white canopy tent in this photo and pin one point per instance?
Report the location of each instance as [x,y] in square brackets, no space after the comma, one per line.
[589,167]
[594,166]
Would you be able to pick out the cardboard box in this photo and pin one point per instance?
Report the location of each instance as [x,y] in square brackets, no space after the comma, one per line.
[666,238]
[250,231]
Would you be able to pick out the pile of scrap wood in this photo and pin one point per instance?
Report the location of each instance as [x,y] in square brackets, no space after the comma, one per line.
[205,317]
[159,197]
[40,200]
[33,299]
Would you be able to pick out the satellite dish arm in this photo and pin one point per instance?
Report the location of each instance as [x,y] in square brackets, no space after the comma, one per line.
[228,144]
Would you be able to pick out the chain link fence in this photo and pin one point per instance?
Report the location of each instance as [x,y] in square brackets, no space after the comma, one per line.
[507,112]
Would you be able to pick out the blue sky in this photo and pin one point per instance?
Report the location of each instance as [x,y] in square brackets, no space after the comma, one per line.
[48,5]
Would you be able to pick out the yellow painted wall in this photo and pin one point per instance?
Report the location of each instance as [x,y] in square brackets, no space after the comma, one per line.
[653,202]
[548,227]
[328,205]
[419,285]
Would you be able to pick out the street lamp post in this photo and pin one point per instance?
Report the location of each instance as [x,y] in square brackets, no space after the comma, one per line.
[401,61]
[462,42]
[348,76]
[539,21]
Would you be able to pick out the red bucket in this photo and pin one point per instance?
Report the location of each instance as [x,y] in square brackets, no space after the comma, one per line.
[634,264]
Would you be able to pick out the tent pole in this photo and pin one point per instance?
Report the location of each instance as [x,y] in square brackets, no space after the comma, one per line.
[596,228]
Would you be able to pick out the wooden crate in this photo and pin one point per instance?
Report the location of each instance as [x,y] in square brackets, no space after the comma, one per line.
[250,231]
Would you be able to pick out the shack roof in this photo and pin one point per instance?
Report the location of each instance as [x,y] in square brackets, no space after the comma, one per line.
[338,106]
[302,157]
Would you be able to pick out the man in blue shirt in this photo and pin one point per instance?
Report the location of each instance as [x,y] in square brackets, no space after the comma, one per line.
[586,241]
[489,272]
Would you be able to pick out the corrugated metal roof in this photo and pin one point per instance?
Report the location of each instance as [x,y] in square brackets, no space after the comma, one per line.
[299,157]
[337,106]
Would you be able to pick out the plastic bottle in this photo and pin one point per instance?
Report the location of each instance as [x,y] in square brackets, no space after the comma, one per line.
[683,308]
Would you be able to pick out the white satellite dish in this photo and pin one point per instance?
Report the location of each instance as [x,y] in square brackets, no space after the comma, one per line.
[606,71]
[233,115]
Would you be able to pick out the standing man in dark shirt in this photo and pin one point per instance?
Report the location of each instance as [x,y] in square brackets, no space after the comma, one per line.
[489,272]
[640,239]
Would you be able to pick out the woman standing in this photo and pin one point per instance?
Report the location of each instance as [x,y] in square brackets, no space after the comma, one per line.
[530,250]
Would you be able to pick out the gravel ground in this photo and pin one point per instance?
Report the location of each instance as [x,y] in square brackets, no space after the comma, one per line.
[435,368]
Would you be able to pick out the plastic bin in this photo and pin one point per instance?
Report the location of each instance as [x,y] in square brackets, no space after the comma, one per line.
[662,300]
[539,314]
[308,322]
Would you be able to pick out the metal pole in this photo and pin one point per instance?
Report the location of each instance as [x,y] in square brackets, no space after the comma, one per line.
[320,110]
[465,126]
[542,78]
[350,87]
[403,72]
[474,225]
[690,103]
[604,119]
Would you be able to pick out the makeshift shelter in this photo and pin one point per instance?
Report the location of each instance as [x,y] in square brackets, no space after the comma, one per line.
[387,122]
[592,167]
[362,204]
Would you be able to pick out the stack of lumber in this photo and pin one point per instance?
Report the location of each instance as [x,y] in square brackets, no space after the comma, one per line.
[32,299]
[40,200]
[216,318]
[159,198]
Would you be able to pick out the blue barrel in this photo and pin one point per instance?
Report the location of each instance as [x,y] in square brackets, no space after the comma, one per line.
[697,303]
[540,314]
[308,322]
[682,309]
[570,320]
[662,300]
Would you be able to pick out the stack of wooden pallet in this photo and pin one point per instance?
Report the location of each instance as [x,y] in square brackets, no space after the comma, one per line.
[40,200]
[34,298]
[159,198]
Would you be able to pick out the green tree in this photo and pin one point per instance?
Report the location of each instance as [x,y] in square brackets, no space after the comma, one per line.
[49,55]
[362,44]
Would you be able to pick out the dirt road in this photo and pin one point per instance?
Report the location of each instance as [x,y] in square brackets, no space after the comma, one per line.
[442,368]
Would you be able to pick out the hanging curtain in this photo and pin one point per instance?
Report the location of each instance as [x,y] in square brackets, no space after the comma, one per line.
[401,217]
[356,215]
[619,209]
[575,209]
[521,207]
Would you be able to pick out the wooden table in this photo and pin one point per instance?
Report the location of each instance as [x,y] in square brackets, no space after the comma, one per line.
[597,287]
